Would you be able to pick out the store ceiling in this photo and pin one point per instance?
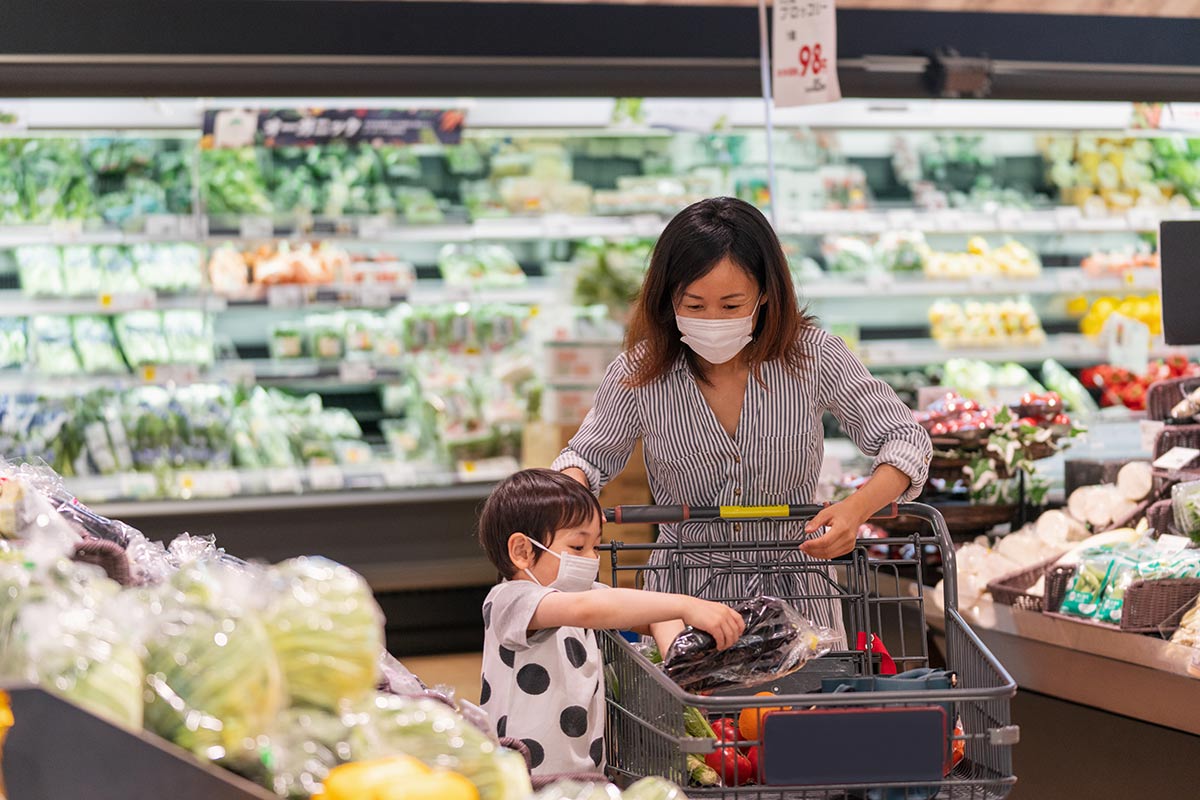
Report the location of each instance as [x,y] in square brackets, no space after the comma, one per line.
[1106,8]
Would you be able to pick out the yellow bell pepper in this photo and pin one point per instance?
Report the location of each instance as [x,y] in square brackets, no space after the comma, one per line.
[395,778]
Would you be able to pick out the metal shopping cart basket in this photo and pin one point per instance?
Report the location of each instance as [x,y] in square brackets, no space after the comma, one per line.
[864,745]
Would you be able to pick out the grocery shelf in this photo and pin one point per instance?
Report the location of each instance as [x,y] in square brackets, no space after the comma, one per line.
[14,303]
[155,229]
[1050,282]
[1058,220]
[1068,349]
[468,492]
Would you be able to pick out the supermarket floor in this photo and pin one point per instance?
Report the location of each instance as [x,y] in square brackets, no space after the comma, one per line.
[459,671]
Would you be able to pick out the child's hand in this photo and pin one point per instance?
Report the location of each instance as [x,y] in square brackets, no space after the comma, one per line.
[719,621]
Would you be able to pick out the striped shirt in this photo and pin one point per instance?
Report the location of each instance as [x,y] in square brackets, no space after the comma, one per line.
[774,458]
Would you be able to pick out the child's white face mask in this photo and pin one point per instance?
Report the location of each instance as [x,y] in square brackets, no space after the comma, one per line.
[575,573]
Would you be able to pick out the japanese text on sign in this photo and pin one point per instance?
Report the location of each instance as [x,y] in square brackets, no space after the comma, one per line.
[805,53]
[289,127]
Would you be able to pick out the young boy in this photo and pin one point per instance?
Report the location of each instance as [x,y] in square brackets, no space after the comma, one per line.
[542,670]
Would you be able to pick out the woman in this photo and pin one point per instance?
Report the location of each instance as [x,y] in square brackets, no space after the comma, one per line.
[725,380]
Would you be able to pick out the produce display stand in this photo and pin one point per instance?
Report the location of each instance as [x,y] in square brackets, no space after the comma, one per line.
[55,749]
[1142,677]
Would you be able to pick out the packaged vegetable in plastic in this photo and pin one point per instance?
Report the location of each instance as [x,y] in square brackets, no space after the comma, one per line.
[51,347]
[13,346]
[306,743]
[576,790]
[40,270]
[435,734]
[140,334]
[287,341]
[327,630]
[1087,586]
[117,274]
[215,680]
[1185,505]
[1125,570]
[189,336]
[654,789]
[97,346]
[778,640]
[81,274]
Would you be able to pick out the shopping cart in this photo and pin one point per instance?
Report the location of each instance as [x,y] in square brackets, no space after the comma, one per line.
[878,590]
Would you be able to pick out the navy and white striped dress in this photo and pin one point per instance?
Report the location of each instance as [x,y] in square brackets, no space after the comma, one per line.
[774,459]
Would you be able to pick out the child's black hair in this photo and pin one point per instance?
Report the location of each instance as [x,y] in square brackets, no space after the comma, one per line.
[536,502]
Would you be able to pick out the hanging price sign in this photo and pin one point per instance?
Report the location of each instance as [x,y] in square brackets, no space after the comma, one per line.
[805,53]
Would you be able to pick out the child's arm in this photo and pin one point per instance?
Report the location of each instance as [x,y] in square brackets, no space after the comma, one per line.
[631,608]
[664,634]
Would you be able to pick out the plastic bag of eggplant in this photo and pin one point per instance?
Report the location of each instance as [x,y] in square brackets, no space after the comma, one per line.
[778,641]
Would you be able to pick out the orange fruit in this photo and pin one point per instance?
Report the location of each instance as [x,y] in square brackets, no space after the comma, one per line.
[750,720]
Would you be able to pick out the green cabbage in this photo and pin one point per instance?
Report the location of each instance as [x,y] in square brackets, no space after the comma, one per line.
[327,631]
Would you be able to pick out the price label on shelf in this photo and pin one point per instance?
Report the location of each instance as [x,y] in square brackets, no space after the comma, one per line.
[804,55]
[1177,458]
[487,469]
[285,296]
[356,372]
[208,483]
[397,474]
[373,227]
[169,373]
[326,478]
[252,227]
[126,301]
[373,295]
[162,226]
[1068,218]
[283,481]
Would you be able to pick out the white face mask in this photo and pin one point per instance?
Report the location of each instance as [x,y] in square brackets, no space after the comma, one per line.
[575,573]
[717,340]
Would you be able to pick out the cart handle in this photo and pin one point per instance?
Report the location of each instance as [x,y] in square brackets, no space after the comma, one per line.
[662,515]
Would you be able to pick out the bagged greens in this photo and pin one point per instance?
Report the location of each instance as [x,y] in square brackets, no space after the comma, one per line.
[117,275]
[97,345]
[81,274]
[1087,586]
[778,640]
[189,336]
[142,340]
[327,630]
[40,270]
[13,347]
[51,347]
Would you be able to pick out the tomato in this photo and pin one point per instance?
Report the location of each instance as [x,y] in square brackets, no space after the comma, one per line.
[732,766]
[727,731]
[755,759]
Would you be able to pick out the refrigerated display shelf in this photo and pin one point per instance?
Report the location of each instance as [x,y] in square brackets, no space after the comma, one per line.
[1051,282]
[1068,349]
[14,303]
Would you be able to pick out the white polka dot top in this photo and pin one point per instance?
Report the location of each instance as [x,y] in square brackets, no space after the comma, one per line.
[544,688]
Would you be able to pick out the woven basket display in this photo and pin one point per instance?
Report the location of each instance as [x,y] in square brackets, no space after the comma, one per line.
[1161,397]
[1161,517]
[1012,589]
[1150,606]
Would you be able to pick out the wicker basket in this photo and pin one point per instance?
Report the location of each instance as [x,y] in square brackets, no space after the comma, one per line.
[1150,605]
[1161,517]
[1161,397]
[1012,589]
[1058,578]
[1176,436]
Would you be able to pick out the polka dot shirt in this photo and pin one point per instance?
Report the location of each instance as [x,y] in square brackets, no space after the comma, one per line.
[544,688]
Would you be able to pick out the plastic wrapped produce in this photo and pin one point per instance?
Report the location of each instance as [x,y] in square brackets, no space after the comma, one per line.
[117,274]
[13,345]
[778,640]
[306,744]
[40,270]
[215,679]
[287,341]
[51,346]
[142,340]
[326,333]
[577,790]
[327,630]
[430,731]
[81,274]
[189,336]
[397,777]
[1185,503]
[654,789]
[97,345]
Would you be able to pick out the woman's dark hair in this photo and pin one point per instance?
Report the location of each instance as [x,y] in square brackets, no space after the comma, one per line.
[536,502]
[692,244]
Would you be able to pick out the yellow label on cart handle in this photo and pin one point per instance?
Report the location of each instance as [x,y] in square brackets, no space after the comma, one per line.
[753,512]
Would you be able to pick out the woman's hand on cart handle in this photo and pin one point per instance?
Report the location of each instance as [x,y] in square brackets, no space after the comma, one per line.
[718,620]
[841,522]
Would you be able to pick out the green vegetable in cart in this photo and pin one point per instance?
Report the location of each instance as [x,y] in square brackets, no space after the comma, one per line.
[701,773]
[327,630]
